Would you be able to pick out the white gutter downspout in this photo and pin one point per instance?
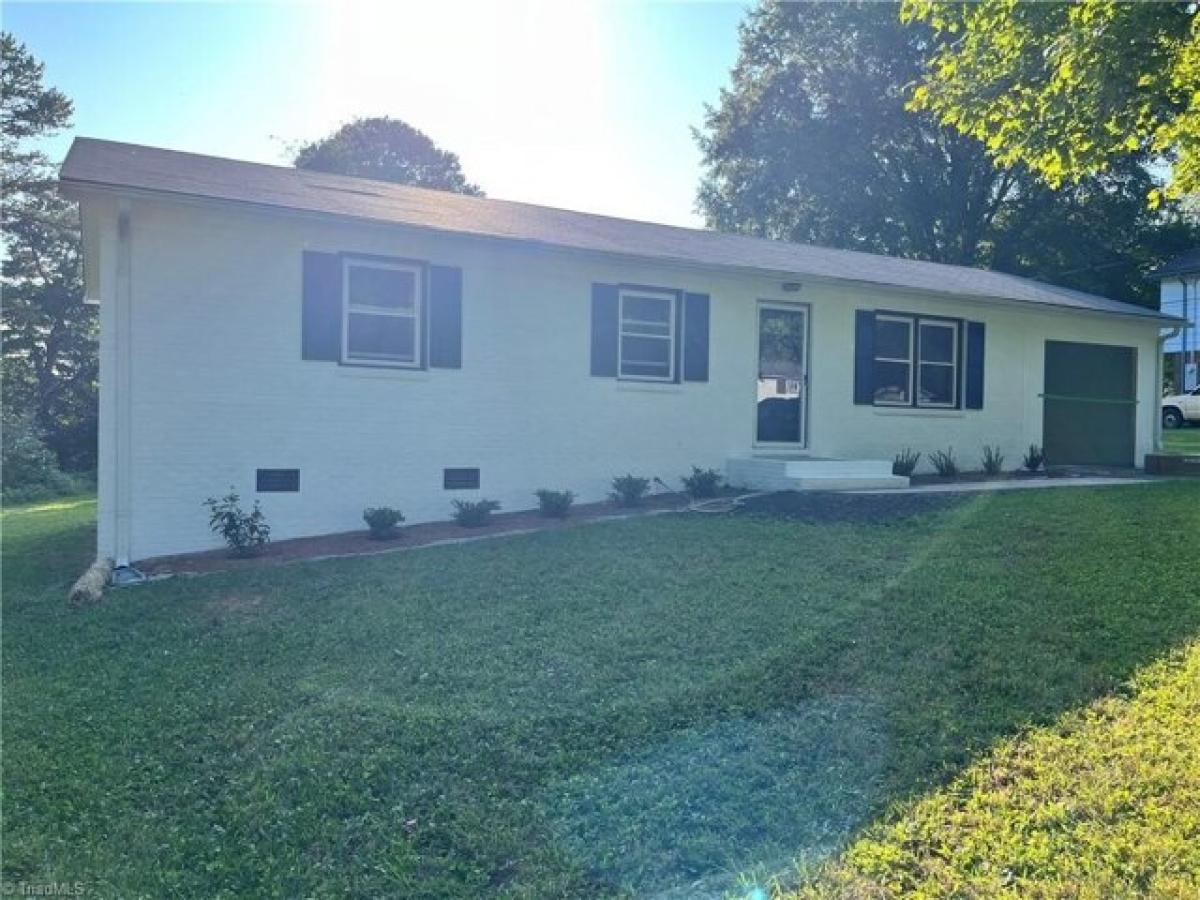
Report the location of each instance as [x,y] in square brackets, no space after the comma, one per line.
[1163,337]
[122,405]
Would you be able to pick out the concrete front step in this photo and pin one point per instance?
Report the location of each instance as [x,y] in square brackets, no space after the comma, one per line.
[764,473]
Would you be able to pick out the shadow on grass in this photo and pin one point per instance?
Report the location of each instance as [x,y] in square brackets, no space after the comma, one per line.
[47,543]
[688,814]
[1006,614]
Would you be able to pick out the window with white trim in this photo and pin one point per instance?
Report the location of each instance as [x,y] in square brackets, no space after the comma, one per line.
[893,360]
[937,363]
[916,361]
[381,313]
[646,347]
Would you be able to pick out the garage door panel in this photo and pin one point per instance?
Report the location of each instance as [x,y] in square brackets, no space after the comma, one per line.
[1089,404]
[1097,371]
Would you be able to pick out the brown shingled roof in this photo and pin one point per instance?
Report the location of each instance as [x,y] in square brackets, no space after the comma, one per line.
[109,164]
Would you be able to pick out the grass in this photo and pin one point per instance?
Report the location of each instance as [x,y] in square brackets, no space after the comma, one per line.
[652,706]
[1105,803]
[1182,440]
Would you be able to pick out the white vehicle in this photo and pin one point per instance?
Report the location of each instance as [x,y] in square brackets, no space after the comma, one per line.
[1180,408]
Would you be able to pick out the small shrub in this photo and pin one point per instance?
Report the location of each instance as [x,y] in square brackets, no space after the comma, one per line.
[474,513]
[1034,458]
[246,533]
[382,520]
[905,462]
[554,504]
[702,482]
[629,490]
[992,460]
[943,461]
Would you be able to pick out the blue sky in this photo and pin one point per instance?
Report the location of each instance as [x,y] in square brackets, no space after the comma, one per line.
[586,105]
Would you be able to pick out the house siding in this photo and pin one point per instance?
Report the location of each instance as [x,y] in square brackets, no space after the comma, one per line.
[219,389]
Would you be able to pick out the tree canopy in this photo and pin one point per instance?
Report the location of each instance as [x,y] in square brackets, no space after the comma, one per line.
[813,142]
[389,150]
[28,109]
[1067,89]
[50,364]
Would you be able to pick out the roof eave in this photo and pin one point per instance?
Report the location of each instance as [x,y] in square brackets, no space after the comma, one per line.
[76,188]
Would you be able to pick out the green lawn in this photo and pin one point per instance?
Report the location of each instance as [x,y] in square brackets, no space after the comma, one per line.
[1182,440]
[1104,803]
[652,706]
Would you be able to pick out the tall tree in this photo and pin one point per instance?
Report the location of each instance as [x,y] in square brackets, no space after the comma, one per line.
[389,150]
[50,364]
[1068,88]
[813,142]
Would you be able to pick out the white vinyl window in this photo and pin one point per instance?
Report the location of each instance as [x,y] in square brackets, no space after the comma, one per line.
[647,337]
[381,313]
[937,363]
[893,369]
[916,361]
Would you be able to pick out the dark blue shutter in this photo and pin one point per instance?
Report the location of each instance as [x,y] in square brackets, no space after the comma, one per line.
[864,356]
[695,337]
[445,317]
[677,307]
[975,353]
[321,307]
[605,327]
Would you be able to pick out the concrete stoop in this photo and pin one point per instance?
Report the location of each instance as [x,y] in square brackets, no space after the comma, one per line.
[766,473]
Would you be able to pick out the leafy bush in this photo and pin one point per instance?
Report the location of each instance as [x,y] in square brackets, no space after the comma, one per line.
[992,460]
[30,468]
[702,482]
[246,533]
[554,504]
[905,462]
[1034,458]
[943,461]
[629,490]
[382,520]
[474,513]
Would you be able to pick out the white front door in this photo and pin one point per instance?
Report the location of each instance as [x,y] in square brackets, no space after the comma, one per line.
[782,399]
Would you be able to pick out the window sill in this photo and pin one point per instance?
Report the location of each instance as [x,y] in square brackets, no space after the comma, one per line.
[650,387]
[382,373]
[919,412]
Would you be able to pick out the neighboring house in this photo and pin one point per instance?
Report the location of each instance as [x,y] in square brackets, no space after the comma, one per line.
[1179,295]
[325,343]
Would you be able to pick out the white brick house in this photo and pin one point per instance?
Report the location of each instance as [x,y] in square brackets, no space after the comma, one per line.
[324,344]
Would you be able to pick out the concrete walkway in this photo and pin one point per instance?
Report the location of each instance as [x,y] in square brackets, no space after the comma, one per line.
[1013,485]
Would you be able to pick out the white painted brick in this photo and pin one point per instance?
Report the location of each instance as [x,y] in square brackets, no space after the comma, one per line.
[219,387]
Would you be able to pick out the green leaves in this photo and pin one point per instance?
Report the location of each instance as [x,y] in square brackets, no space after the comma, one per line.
[1067,88]
[50,364]
[828,134]
[388,150]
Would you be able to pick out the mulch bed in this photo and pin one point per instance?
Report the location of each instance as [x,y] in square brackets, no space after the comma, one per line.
[826,506]
[353,543]
[808,506]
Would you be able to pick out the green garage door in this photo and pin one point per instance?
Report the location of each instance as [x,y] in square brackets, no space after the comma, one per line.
[1090,407]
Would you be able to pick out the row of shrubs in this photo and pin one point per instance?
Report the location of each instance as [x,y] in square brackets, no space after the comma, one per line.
[991,462]
[247,532]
